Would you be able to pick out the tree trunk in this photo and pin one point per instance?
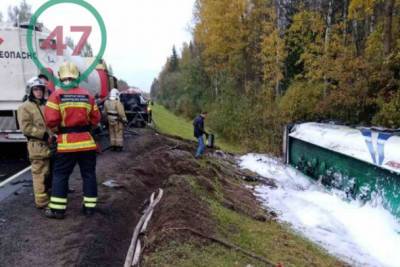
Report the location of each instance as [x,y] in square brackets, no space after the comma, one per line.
[328,39]
[387,30]
[345,21]
[216,88]
[277,81]
[373,21]
[356,37]
[328,26]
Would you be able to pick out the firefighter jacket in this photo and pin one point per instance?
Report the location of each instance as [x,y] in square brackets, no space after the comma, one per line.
[115,111]
[72,114]
[32,124]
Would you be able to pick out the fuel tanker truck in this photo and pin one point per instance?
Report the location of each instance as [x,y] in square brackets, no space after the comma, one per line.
[364,163]
[17,67]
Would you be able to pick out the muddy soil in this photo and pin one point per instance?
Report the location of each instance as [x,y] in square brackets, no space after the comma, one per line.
[184,215]
[29,239]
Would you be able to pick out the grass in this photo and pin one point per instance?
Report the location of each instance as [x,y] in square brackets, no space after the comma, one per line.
[271,240]
[192,254]
[168,123]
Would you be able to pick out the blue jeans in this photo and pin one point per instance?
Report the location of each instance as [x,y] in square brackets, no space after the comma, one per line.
[201,147]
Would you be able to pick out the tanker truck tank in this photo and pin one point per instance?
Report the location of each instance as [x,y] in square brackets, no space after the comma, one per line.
[362,162]
[17,67]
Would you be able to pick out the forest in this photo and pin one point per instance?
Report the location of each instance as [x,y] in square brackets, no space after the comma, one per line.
[258,65]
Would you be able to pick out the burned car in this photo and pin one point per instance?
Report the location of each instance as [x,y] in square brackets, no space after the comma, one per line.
[136,107]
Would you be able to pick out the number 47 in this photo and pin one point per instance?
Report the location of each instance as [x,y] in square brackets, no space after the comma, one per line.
[58,34]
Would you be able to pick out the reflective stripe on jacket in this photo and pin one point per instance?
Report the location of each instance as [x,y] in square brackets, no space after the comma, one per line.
[70,110]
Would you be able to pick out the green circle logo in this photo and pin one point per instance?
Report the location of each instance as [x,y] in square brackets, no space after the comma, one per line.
[99,56]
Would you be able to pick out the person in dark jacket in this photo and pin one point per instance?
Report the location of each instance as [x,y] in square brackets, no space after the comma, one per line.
[199,131]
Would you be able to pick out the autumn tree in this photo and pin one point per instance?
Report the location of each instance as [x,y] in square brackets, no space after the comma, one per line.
[259,64]
[21,13]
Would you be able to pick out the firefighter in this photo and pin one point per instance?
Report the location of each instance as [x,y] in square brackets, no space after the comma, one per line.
[33,126]
[72,113]
[116,120]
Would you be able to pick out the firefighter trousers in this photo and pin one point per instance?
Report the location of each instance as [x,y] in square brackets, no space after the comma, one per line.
[63,166]
[116,131]
[40,172]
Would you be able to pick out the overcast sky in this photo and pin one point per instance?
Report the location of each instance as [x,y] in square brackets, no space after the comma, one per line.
[141,33]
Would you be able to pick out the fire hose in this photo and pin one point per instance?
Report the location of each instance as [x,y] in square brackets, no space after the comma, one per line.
[135,248]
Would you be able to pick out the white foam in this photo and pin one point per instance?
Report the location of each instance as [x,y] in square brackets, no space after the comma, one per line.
[362,235]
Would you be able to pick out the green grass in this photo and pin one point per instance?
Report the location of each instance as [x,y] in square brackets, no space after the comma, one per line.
[168,123]
[192,254]
[271,240]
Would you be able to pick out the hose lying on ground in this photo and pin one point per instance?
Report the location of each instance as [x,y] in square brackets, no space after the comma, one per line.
[135,248]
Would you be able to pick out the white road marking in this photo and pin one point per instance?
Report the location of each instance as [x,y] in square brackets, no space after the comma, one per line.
[2,184]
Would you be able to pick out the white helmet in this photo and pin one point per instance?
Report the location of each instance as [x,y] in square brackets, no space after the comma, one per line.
[114,94]
[34,82]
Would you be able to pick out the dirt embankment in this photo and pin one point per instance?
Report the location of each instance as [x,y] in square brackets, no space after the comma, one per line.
[210,217]
[207,217]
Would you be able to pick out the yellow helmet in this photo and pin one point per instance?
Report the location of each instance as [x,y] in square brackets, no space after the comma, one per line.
[68,70]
